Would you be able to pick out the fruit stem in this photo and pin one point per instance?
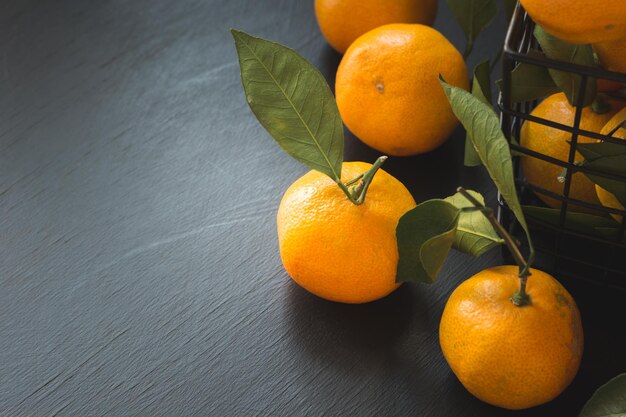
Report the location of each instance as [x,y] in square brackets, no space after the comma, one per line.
[346,191]
[356,193]
[353,180]
[521,297]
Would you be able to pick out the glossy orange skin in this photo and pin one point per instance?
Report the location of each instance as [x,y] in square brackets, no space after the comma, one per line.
[580,21]
[388,90]
[338,250]
[612,56]
[554,142]
[606,198]
[342,21]
[509,356]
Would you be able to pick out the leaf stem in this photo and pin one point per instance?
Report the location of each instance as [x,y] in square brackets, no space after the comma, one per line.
[521,297]
[356,193]
[346,191]
[368,177]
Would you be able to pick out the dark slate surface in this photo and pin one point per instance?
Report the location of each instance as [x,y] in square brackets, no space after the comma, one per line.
[138,258]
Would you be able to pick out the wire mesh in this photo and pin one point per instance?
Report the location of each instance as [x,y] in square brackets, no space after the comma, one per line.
[561,248]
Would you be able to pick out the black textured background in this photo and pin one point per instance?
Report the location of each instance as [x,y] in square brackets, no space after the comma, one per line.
[139,268]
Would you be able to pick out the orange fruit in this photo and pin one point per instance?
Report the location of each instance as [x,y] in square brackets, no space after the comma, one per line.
[612,57]
[580,21]
[509,356]
[342,21]
[554,142]
[338,250]
[607,198]
[388,91]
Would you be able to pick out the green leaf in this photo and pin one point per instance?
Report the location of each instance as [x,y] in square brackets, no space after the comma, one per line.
[293,102]
[568,82]
[610,158]
[471,158]
[474,234]
[473,16]
[481,84]
[425,235]
[481,88]
[530,82]
[608,401]
[599,150]
[615,187]
[509,8]
[578,222]
[491,145]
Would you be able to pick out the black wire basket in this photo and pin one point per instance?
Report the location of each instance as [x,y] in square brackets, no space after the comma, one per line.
[565,251]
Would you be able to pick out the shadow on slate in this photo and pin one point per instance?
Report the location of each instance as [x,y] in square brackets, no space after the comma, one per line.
[366,330]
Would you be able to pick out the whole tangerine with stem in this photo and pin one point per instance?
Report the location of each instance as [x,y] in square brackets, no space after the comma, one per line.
[512,356]
[336,249]
[511,334]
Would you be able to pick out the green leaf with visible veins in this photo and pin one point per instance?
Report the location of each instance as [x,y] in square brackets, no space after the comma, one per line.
[473,16]
[568,82]
[425,235]
[292,100]
[481,88]
[608,401]
[474,234]
[484,125]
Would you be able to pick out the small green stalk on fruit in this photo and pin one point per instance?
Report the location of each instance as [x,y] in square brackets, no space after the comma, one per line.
[356,188]
[521,297]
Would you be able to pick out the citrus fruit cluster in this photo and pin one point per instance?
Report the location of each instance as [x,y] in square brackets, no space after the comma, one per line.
[387,84]
[602,29]
[512,335]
